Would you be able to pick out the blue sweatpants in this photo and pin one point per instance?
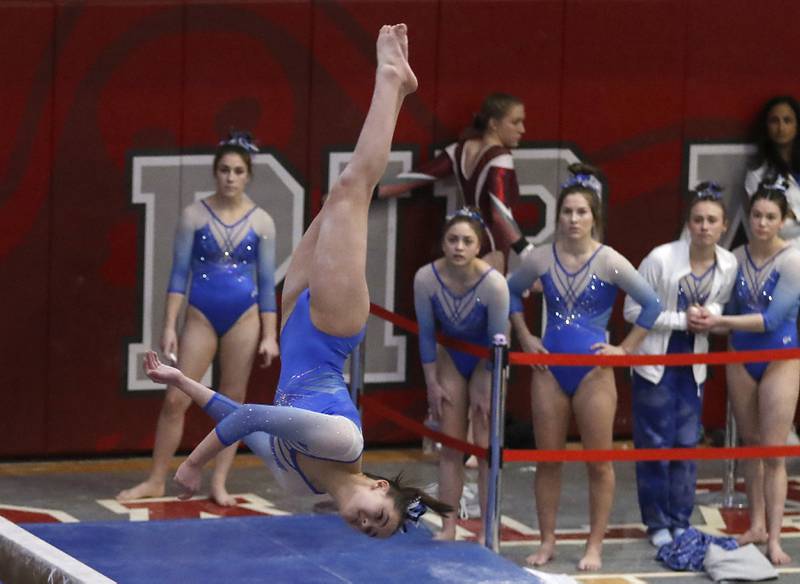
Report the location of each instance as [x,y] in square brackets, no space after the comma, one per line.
[666,415]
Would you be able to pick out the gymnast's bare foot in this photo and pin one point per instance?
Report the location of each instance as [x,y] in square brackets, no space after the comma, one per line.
[392,50]
[776,554]
[220,495]
[144,490]
[545,553]
[188,478]
[753,535]
[591,560]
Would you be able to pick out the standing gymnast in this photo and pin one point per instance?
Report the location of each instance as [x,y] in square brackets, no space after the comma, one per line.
[469,301]
[762,314]
[667,401]
[484,169]
[227,243]
[311,438]
[580,278]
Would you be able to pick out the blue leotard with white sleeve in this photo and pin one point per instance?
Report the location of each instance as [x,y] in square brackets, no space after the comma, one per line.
[312,415]
[579,303]
[772,289]
[474,316]
[232,266]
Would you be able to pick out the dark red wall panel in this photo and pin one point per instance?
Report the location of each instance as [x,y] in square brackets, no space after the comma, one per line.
[26,62]
[629,85]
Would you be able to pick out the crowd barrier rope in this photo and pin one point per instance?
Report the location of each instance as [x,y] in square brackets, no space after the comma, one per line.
[501,359]
[674,360]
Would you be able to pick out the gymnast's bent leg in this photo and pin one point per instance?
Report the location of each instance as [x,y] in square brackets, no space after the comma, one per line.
[322,435]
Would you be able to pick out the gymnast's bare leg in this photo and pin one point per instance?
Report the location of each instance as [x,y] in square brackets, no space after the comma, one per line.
[331,258]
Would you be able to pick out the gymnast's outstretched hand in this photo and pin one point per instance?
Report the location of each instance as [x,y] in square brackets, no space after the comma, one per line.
[159,372]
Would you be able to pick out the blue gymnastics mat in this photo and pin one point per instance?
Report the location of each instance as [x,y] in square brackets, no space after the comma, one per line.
[297,548]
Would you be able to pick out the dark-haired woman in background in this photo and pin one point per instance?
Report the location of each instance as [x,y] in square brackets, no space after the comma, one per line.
[778,155]
[667,401]
[762,315]
[227,244]
[484,169]
[580,278]
[469,301]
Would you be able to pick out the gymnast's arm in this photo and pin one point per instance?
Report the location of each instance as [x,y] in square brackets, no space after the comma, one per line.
[652,270]
[784,302]
[502,188]
[428,173]
[268,345]
[497,300]
[529,270]
[623,274]
[423,307]
[178,281]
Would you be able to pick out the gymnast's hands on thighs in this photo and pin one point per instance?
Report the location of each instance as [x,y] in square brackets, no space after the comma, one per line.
[533,344]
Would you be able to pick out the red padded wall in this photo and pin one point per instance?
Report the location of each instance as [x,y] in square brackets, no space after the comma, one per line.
[626,83]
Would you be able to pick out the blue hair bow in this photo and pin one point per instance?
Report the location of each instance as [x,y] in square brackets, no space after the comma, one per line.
[242,140]
[414,512]
[468,213]
[779,183]
[710,190]
[587,181]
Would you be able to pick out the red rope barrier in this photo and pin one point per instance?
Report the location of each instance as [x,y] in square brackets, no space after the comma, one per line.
[673,360]
[627,455]
[374,406]
[676,359]
[655,454]
[411,326]
[632,455]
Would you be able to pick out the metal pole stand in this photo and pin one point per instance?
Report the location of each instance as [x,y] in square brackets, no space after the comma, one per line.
[496,440]
[727,498]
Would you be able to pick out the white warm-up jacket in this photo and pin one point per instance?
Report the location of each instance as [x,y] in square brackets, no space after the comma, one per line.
[663,269]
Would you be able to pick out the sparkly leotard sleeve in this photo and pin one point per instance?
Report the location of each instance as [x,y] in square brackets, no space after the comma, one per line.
[232,266]
[492,187]
[579,303]
[773,290]
[474,316]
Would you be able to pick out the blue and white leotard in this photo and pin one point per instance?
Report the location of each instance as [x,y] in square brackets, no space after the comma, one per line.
[312,414]
[474,316]
[579,303]
[773,290]
[232,266]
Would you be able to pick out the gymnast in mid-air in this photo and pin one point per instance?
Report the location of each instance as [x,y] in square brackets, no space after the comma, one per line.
[311,437]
